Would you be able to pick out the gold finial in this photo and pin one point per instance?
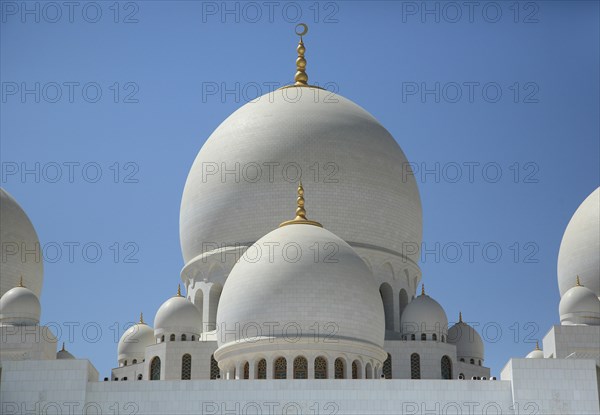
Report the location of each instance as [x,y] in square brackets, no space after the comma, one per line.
[63,348]
[21,282]
[537,345]
[179,290]
[141,318]
[577,282]
[422,289]
[301,77]
[300,211]
[460,317]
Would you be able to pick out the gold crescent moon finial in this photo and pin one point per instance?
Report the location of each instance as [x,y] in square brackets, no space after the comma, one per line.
[304,29]
[300,211]
[141,318]
[460,317]
[422,289]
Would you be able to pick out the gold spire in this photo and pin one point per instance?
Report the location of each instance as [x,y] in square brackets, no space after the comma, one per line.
[141,318]
[300,212]
[179,290]
[63,348]
[21,282]
[537,345]
[460,317]
[301,77]
[577,282]
[422,289]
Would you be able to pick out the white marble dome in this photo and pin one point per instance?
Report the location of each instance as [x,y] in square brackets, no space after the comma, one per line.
[361,188]
[424,315]
[468,342]
[64,354]
[579,306]
[17,233]
[535,354]
[19,306]
[133,343]
[579,247]
[311,287]
[177,316]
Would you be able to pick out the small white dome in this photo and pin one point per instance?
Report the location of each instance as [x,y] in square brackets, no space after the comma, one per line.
[177,316]
[134,341]
[535,354]
[579,247]
[64,354]
[579,305]
[18,234]
[468,342]
[424,315]
[19,306]
[301,281]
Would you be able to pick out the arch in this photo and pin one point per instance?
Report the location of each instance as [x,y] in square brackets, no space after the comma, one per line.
[261,369]
[387,296]
[214,368]
[415,366]
[193,338]
[155,368]
[162,338]
[183,337]
[461,376]
[423,337]
[320,368]
[357,370]
[172,337]
[186,367]
[199,303]
[300,368]
[446,367]
[402,302]
[139,377]
[246,370]
[479,362]
[472,361]
[413,337]
[125,363]
[434,337]
[387,367]
[368,371]
[280,368]
[125,378]
[339,368]
[214,296]
[443,338]
[462,359]
[134,361]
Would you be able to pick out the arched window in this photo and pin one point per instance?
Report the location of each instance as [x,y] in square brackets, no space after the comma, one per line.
[479,362]
[415,366]
[125,378]
[140,376]
[247,371]
[461,375]
[300,368]
[462,359]
[155,368]
[320,368]
[387,367]
[446,368]
[413,337]
[354,370]
[472,361]
[423,337]
[403,301]
[214,368]
[368,371]
[183,337]
[261,371]
[443,338]
[162,338]
[434,337]
[339,368]
[172,338]
[387,296]
[186,367]
[280,368]
[193,338]
[125,363]
[134,361]
[116,379]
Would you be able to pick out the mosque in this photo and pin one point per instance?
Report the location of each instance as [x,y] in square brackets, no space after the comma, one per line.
[348,327]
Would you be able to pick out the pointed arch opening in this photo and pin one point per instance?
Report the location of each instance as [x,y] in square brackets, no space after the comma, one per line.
[387,296]
[261,369]
[415,366]
[280,368]
[215,372]
[186,367]
[446,364]
[320,368]
[387,367]
[339,367]
[300,368]
[155,368]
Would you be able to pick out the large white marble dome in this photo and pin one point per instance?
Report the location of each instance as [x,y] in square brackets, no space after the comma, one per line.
[580,247]
[20,306]
[17,233]
[358,175]
[330,301]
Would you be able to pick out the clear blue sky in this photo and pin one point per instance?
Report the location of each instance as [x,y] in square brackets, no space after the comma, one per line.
[543,57]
